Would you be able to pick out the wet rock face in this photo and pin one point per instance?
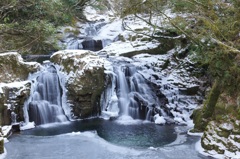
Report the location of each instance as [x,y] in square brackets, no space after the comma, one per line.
[12,100]
[13,95]
[13,68]
[85,81]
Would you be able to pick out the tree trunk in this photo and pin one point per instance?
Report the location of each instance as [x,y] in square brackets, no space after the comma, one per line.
[211,102]
[202,116]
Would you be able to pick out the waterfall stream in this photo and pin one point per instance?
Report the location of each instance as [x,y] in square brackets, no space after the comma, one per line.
[89,39]
[47,99]
[128,93]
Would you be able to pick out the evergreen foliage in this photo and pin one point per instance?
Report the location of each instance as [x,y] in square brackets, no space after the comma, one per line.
[30,26]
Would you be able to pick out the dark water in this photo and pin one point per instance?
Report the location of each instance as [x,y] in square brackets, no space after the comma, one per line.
[103,139]
[140,135]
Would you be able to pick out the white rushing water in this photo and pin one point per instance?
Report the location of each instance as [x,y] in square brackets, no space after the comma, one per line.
[47,101]
[129,95]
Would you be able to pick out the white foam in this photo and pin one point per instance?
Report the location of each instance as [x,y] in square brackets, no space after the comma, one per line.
[128,120]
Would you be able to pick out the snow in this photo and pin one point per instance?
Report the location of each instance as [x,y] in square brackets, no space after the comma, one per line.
[21,86]
[27,126]
[20,59]
[194,134]
[159,119]
[110,31]
[82,56]
[13,85]
[4,155]
[226,126]
[9,53]
[6,130]
[93,15]
[212,138]
[84,59]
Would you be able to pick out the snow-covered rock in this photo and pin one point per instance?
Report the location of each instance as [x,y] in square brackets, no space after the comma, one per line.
[85,79]
[220,141]
[13,68]
[12,98]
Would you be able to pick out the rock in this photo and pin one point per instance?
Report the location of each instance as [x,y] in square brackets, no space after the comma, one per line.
[218,137]
[13,68]
[13,93]
[12,99]
[85,81]
[190,90]
[16,127]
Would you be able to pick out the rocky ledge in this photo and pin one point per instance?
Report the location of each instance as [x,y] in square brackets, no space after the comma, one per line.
[14,90]
[13,68]
[85,80]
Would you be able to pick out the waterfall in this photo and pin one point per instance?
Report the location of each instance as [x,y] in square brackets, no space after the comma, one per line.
[47,100]
[89,39]
[128,90]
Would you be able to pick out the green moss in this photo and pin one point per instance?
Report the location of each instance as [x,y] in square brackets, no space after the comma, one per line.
[201,117]
[224,133]
[199,123]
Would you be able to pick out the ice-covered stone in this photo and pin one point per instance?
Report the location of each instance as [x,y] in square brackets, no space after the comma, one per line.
[85,80]
[13,68]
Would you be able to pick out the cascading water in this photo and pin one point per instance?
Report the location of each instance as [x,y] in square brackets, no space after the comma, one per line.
[47,100]
[129,94]
[89,38]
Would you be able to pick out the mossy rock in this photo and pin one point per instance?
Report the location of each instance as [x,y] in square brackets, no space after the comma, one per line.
[199,123]
[14,69]
[223,133]
[210,147]
[86,80]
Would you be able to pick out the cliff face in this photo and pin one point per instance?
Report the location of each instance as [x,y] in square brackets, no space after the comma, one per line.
[13,91]
[85,80]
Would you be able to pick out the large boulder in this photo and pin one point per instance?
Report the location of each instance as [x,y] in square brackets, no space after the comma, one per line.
[85,83]
[14,92]
[13,68]
[12,98]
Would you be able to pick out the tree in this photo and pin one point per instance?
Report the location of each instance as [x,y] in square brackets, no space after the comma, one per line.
[30,26]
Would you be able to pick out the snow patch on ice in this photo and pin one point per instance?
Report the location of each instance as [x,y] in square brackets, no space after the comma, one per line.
[3,155]
[27,126]
[159,119]
[6,130]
